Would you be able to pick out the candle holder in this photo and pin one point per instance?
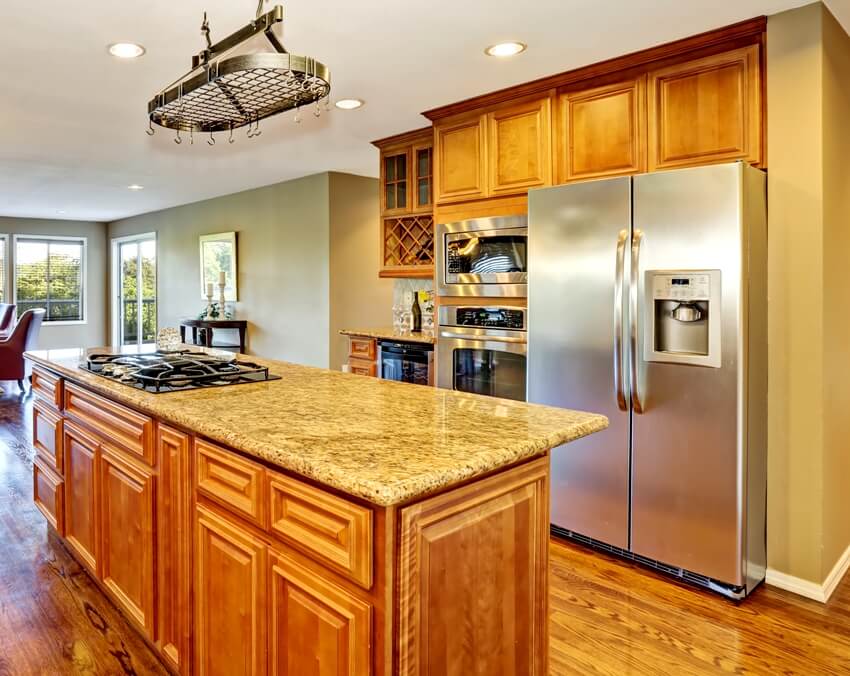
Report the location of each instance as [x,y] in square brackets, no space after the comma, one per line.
[209,303]
[221,313]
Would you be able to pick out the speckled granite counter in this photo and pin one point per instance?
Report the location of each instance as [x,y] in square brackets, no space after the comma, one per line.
[383,441]
[392,334]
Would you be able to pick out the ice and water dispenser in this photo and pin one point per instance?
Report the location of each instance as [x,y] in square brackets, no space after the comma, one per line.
[683,326]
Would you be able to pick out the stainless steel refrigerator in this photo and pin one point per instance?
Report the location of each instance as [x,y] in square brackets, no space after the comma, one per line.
[647,303]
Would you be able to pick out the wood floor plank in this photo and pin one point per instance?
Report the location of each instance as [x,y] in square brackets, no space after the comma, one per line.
[608,617]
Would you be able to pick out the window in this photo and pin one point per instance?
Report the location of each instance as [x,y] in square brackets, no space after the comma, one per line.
[3,257]
[49,274]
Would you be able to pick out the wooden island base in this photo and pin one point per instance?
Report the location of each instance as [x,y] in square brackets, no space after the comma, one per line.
[229,565]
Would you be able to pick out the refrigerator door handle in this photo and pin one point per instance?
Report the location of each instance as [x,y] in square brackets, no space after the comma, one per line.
[637,401]
[619,390]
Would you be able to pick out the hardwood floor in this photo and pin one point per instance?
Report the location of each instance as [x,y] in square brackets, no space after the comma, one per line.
[606,616]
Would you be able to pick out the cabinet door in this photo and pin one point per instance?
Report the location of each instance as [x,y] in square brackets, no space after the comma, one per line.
[461,163]
[708,110]
[602,131]
[395,181]
[519,151]
[47,435]
[81,492]
[423,176]
[127,534]
[174,544]
[473,578]
[230,594]
[317,627]
[48,494]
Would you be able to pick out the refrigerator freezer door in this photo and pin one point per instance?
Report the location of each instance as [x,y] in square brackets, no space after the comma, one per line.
[687,449]
[573,238]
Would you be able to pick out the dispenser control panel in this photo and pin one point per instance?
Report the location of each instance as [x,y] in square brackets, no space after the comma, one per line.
[682,287]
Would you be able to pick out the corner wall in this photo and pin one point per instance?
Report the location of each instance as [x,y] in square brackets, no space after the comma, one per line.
[808,67]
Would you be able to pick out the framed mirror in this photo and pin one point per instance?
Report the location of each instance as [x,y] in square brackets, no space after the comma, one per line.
[218,254]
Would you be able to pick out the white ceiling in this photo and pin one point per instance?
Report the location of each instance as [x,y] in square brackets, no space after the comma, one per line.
[73,119]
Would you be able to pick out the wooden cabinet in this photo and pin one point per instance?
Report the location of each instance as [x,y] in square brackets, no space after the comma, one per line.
[601,132]
[48,387]
[707,110]
[174,527]
[452,604]
[231,481]
[230,598]
[82,532]
[362,353]
[127,534]
[48,494]
[407,222]
[47,435]
[461,160]
[519,150]
[316,626]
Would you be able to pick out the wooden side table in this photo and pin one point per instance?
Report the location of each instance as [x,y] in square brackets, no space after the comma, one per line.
[209,325]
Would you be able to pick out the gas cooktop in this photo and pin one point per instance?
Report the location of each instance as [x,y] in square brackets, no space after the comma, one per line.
[158,372]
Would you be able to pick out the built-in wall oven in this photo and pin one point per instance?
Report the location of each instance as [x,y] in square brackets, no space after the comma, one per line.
[483,257]
[482,349]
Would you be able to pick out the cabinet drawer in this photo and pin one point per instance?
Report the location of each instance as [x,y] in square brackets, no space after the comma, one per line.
[48,493]
[47,386]
[224,477]
[327,528]
[361,367]
[361,348]
[47,435]
[121,425]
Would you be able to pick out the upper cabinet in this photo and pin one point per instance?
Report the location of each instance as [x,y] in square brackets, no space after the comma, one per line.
[407,195]
[707,110]
[601,131]
[519,152]
[504,151]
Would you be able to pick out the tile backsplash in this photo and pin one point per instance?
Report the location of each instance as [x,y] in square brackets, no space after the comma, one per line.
[403,286]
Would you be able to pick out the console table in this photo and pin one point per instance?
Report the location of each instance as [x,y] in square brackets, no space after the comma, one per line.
[209,325]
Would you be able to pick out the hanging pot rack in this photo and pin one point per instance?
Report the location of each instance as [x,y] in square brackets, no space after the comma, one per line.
[225,93]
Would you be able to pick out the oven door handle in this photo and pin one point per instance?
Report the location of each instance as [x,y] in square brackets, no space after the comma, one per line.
[483,339]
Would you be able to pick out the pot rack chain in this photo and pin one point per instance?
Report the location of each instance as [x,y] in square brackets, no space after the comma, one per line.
[240,91]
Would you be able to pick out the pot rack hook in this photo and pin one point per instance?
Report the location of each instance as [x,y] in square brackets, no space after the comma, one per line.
[178,139]
[211,142]
[257,130]
[231,139]
[150,131]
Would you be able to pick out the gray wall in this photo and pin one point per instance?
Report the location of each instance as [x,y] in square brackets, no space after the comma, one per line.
[94,332]
[283,277]
[358,297]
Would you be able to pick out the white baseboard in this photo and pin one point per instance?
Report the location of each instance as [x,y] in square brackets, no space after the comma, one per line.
[811,590]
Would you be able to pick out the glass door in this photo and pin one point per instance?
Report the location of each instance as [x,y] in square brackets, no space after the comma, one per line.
[136,282]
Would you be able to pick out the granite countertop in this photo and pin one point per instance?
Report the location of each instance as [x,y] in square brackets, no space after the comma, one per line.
[393,334]
[384,441]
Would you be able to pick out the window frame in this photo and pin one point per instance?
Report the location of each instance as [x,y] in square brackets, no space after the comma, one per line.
[7,269]
[84,292]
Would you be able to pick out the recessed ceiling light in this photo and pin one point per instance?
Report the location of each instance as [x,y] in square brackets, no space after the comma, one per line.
[60,211]
[135,186]
[126,50]
[349,104]
[506,49]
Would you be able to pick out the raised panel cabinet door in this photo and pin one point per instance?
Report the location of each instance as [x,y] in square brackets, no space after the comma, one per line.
[230,598]
[473,578]
[47,435]
[461,160]
[127,535]
[82,531]
[48,494]
[317,627]
[707,110]
[174,546]
[602,131]
[519,149]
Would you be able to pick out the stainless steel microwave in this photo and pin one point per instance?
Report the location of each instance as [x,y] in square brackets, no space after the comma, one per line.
[483,257]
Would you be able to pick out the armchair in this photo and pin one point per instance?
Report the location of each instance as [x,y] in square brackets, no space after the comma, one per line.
[24,337]
[7,318]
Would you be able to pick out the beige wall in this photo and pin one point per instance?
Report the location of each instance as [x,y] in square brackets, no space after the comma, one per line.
[93,332]
[282,251]
[358,298]
[307,253]
[808,60]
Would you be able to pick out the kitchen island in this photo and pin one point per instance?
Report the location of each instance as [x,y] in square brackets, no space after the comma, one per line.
[320,523]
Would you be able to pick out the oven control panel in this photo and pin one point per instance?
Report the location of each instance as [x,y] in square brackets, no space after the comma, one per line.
[483,317]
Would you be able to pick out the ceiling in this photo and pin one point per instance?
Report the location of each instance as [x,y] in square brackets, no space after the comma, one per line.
[73,118]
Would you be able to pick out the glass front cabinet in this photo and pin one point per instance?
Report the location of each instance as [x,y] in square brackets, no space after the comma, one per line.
[407,219]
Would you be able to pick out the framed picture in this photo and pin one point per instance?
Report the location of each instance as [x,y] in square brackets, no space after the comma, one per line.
[218,254]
